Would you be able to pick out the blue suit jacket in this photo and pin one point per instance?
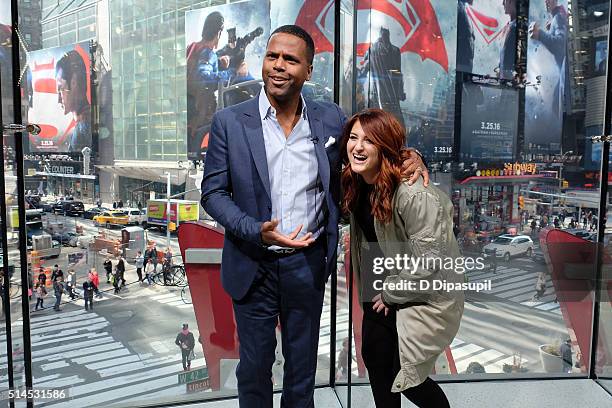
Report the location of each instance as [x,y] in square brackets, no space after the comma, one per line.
[236,185]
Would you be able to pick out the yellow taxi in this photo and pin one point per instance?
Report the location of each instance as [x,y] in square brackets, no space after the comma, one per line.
[109,218]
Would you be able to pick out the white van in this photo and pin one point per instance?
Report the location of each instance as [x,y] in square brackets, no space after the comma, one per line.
[136,216]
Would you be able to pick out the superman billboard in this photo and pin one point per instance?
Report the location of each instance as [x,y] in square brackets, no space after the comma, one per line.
[486,37]
[225,49]
[547,75]
[58,87]
[405,64]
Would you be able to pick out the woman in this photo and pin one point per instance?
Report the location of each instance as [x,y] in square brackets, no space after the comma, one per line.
[390,217]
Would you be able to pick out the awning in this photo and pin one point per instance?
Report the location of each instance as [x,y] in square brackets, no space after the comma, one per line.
[72,176]
[492,180]
[148,172]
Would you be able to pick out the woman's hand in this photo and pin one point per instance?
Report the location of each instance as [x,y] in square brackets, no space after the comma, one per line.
[379,305]
[413,167]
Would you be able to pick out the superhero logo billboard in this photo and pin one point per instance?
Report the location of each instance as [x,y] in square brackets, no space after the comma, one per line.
[488,123]
[58,90]
[225,50]
[547,72]
[405,64]
[486,37]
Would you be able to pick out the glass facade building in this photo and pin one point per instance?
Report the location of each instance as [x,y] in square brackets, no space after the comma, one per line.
[508,102]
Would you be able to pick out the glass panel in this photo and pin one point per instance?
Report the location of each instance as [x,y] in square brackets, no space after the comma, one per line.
[497,106]
[137,133]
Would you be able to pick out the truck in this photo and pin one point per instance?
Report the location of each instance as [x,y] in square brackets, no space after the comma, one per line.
[187,210]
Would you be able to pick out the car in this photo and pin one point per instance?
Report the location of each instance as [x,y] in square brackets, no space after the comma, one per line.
[136,216]
[92,212]
[588,235]
[69,207]
[66,238]
[83,241]
[110,218]
[507,246]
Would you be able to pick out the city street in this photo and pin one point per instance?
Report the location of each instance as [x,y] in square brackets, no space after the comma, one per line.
[124,350]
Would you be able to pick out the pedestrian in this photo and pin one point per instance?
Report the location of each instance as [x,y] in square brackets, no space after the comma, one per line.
[41,292]
[540,286]
[186,342]
[271,242]
[114,205]
[71,284]
[149,272]
[153,258]
[88,292]
[139,206]
[493,260]
[108,267]
[139,263]
[556,222]
[120,268]
[58,290]
[42,276]
[95,280]
[115,282]
[533,226]
[566,355]
[56,272]
[167,266]
[120,204]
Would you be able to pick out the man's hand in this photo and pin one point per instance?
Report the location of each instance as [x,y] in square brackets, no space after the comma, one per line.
[271,236]
[243,69]
[413,168]
[379,306]
[224,62]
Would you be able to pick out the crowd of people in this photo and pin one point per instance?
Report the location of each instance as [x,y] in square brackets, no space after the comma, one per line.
[62,284]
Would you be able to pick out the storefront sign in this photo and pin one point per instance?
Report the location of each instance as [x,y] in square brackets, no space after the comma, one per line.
[197,386]
[517,169]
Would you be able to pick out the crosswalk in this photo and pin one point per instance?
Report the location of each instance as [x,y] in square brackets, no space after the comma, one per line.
[517,285]
[168,296]
[76,349]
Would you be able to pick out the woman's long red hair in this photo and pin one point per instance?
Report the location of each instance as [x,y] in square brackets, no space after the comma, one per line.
[387,134]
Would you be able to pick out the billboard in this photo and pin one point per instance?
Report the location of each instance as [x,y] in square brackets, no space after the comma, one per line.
[59,94]
[600,56]
[547,71]
[6,60]
[405,64]
[489,118]
[225,49]
[486,37]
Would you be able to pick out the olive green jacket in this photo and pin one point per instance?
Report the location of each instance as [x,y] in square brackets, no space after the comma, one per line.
[421,225]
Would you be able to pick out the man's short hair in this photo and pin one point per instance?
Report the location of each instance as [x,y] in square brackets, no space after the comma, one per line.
[71,66]
[301,33]
[212,25]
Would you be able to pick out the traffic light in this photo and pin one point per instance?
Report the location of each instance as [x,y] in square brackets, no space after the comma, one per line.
[521,202]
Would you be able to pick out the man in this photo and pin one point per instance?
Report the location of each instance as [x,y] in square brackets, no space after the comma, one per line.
[186,341]
[139,263]
[465,38]
[56,272]
[58,290]
[554,38]
[275,188]
[204,71]
[108,268]
[71,78]
[507,53]
[383,67]
[88,292]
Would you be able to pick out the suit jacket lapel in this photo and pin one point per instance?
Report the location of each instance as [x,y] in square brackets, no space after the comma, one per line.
[316,131]
[254,136]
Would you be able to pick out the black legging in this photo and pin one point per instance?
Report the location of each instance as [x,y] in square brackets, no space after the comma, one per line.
[381,356]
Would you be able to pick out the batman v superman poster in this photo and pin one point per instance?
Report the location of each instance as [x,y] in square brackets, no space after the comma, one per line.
[405,61]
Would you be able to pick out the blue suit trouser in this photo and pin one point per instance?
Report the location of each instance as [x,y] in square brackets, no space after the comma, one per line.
[288,290]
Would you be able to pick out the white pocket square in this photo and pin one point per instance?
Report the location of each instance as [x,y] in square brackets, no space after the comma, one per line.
[330,142]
